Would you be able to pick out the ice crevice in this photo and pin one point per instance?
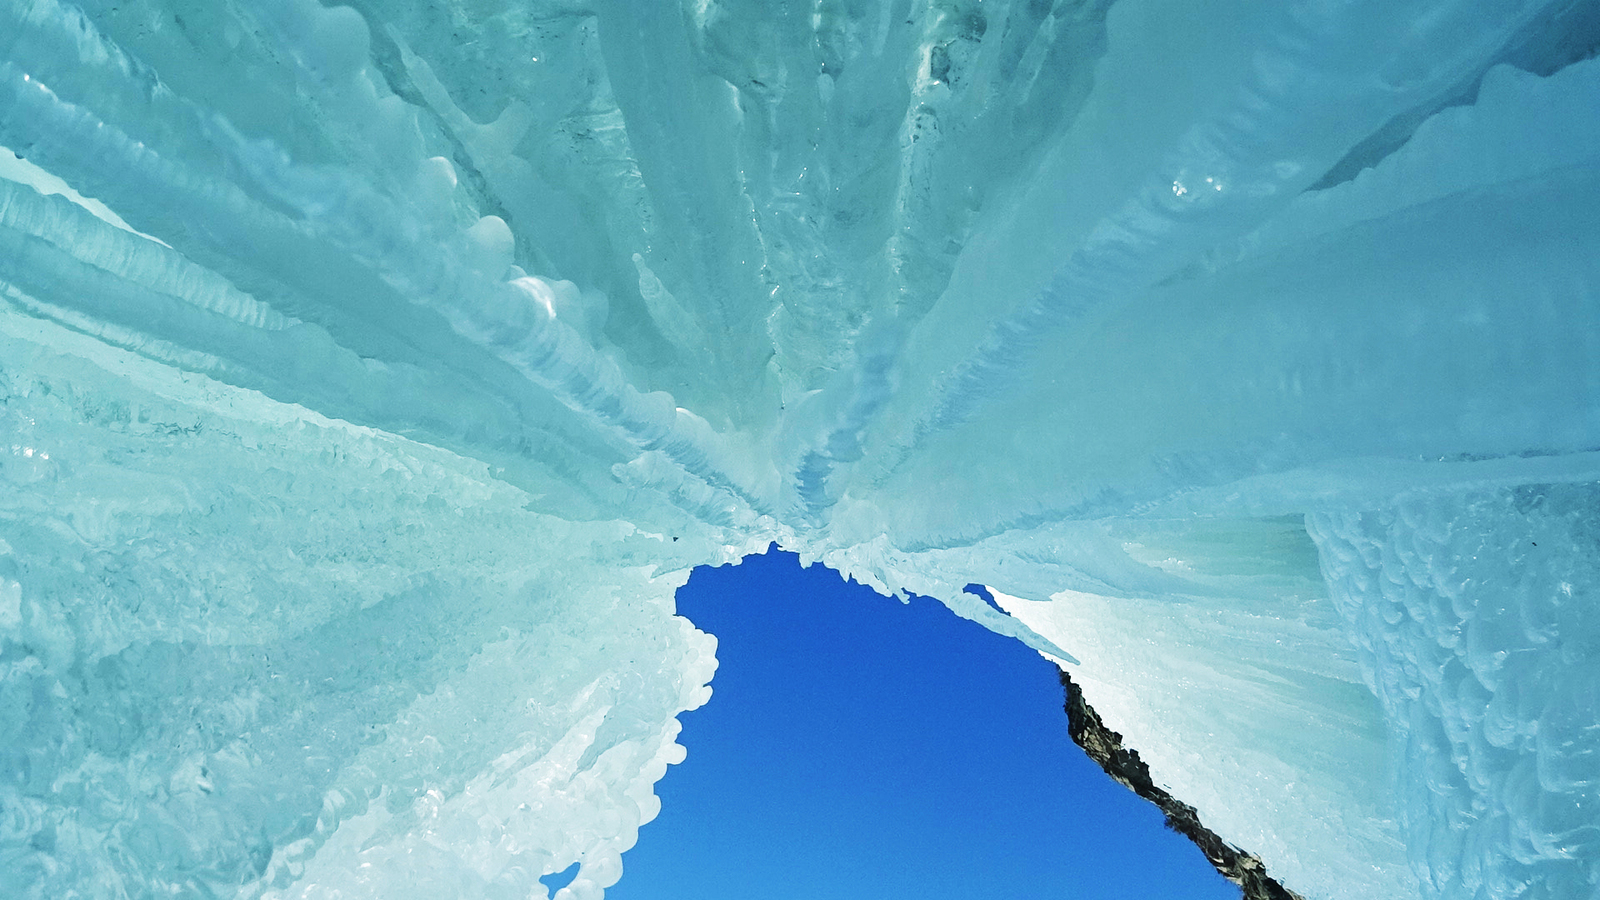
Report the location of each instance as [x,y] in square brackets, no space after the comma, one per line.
[371,375]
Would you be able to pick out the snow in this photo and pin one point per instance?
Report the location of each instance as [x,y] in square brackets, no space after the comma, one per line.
[370,377]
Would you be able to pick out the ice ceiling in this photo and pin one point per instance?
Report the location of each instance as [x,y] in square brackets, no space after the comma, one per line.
[370,376]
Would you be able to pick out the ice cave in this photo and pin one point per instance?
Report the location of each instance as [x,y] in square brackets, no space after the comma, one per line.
[372,375]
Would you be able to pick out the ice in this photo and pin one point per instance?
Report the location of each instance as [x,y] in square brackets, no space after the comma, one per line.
[1481,650]
[371,375]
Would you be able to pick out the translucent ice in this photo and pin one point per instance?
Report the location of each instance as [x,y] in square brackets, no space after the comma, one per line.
[371,375]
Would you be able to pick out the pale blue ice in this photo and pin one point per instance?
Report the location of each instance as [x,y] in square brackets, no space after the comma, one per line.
[370,377]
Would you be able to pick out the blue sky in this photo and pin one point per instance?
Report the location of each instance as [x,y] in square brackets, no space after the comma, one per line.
[856,747]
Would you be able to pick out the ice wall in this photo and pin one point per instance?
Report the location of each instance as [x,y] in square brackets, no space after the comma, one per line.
[1483,651]
[250,647]
[370,375]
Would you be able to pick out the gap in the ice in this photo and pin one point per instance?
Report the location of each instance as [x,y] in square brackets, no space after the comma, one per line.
[555,881]
[857,745]
[983,593]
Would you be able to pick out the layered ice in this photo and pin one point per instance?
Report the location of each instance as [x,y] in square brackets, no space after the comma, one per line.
[371,375]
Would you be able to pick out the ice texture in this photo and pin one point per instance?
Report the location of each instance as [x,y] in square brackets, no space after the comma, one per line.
[371,375]
[1477,623]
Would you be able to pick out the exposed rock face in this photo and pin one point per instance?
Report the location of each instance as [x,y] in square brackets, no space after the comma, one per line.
[1104,746]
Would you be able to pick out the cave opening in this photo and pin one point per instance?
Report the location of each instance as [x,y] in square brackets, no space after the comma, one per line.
[857,745]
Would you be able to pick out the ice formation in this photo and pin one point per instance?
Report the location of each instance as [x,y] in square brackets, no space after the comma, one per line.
[371,375]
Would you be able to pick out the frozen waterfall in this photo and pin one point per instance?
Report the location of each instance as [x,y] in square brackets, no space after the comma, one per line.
[371,375]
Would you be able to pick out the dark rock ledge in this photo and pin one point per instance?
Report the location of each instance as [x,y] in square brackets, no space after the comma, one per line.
[1104,746]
